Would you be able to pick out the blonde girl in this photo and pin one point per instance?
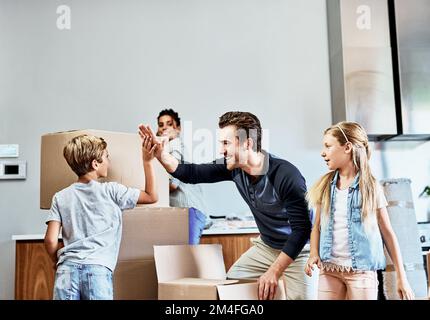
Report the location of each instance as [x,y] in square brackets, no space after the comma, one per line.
[351,221]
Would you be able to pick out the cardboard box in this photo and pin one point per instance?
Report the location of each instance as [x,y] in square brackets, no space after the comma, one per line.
[199,274]
[135,276]
[126,164]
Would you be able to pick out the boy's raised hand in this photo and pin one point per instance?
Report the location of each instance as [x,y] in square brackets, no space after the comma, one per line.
[145,132]
[148,149]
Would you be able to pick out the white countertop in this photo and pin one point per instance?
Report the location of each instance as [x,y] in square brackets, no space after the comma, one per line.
[219,226]
[29,236]
[213,231]
[223,226]
[210,231]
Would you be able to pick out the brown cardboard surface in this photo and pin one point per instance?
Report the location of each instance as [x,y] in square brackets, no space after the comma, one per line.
[199,274]
[135,276]
[247,291]
[191,261]
[126,164]
[169,291]
[135,280]
[191,289]
[145,227]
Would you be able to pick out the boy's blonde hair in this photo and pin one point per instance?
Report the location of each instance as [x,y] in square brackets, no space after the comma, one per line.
[319,194]
[82,150]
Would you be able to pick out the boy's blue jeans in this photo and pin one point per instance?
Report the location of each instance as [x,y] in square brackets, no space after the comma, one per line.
[197,221]
[74,281]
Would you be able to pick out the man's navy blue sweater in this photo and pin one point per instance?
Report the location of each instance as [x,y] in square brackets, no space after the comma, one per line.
[276,198]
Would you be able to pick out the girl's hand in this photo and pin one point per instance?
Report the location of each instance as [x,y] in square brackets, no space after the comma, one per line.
[148,149]
[312,261]
[404,290]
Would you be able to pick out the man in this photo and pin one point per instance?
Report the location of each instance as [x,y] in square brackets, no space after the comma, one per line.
[275,191]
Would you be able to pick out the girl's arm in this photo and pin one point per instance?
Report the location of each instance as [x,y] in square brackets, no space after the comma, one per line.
[314,257]
[403,289]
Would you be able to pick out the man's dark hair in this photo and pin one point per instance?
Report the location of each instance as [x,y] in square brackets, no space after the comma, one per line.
[243,121]
[172,113]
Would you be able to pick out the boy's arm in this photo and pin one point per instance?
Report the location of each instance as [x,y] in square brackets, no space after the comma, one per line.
[51,239]
[150,194]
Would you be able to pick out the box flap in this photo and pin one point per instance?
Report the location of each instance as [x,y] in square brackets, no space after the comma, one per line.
[189,261]
[247,291]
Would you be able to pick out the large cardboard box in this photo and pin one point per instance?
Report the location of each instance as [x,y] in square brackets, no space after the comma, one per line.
[126,164]
[135,276]
[199,274]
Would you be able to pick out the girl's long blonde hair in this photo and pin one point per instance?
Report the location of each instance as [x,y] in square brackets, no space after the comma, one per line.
[319,194]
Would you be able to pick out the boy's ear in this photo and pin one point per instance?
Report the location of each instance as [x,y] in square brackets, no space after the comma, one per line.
[94,164]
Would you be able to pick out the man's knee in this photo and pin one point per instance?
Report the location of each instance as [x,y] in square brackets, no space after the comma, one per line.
[237,271]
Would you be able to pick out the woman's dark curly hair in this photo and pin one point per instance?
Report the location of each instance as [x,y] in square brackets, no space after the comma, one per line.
[172,113]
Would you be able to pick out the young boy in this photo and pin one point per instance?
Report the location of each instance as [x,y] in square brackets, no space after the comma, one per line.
[90,215]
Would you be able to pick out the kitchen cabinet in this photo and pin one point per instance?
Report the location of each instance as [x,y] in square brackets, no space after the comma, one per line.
[34,271]
[233,245]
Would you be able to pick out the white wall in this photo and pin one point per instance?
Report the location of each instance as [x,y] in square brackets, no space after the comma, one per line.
[122,61]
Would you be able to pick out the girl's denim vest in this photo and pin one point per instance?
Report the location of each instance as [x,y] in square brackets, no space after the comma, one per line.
[366,248]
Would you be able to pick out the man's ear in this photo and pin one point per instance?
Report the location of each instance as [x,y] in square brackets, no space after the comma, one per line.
[249,144]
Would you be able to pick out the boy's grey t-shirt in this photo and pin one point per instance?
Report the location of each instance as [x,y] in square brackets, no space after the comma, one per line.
[91,219]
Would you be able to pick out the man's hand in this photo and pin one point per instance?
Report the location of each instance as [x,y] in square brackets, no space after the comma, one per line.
[267,285]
